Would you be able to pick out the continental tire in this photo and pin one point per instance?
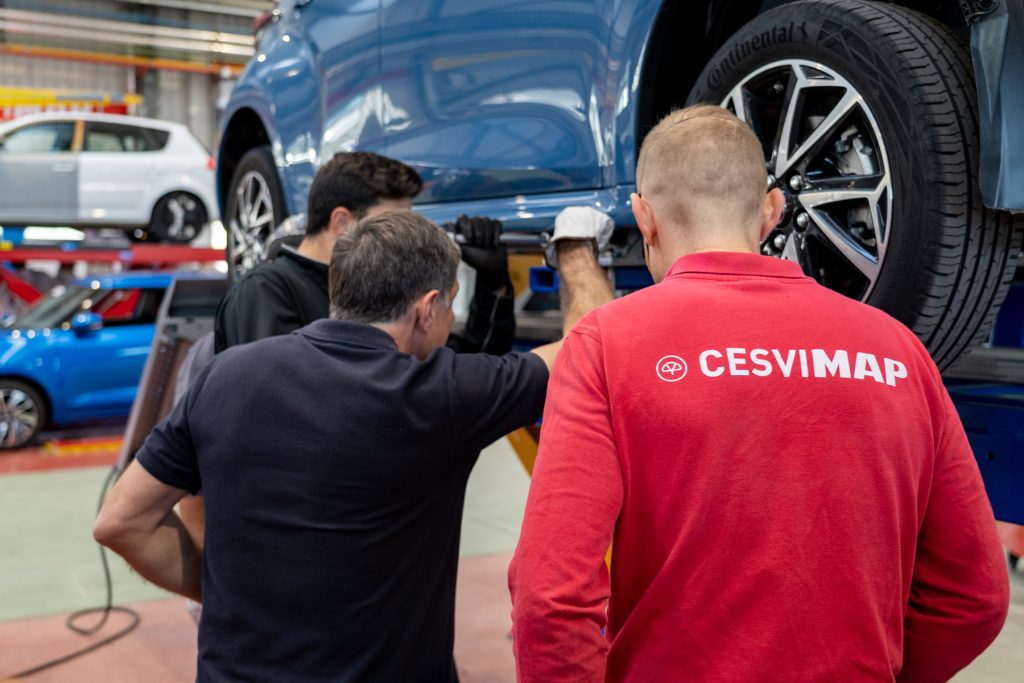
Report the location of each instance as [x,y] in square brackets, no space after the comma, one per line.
[255,206]
[867,112]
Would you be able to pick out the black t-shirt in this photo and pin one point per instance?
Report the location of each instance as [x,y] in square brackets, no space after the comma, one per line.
[271,299]
[291,291]
[334,469]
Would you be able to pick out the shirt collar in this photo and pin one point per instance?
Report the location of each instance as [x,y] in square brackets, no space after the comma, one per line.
[291,252]
[345,332]
[736,264]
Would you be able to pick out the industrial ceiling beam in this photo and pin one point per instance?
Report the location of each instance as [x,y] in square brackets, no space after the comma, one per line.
[250,9]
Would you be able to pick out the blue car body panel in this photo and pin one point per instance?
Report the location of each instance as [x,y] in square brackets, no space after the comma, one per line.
[526,125]
[524,106]
[85,377]
[99,373]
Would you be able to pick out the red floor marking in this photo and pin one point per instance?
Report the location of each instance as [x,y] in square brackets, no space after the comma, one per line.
[62,454]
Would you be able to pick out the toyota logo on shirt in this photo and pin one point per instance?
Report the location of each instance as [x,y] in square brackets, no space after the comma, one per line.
[671,369]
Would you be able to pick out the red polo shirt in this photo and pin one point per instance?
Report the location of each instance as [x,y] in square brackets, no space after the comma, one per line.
[788,487]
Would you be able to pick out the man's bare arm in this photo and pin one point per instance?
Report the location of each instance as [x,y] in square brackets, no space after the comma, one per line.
[192,510]
[584,287]
[584,284]
[138,522]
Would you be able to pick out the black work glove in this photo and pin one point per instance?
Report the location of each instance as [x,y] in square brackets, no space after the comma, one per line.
[483,252]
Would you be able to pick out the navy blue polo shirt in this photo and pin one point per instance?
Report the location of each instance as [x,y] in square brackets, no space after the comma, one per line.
[334,470]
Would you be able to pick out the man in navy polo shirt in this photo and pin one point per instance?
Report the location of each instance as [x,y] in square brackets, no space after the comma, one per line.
[334,462]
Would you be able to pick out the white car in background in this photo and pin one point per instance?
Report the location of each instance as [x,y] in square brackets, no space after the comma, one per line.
[152,178]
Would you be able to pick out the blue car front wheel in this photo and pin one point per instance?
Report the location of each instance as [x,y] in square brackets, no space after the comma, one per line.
[22,414]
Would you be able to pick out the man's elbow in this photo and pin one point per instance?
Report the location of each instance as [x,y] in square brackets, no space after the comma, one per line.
[983,617]
[110,531]
[993,611]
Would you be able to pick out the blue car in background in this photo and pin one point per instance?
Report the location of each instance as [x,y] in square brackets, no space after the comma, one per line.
[894,129]
[77,356]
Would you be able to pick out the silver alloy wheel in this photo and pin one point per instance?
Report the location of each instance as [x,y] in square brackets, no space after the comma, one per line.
[252,222]
[825,152]
[19,417]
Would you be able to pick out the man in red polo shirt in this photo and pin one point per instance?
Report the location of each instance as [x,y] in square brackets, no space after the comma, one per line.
[786,485]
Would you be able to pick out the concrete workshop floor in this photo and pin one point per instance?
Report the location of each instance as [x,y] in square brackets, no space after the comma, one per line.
[49,567]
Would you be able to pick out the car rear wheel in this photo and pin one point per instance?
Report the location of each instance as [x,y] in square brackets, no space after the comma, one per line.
[178,218]
[255,206]
[868,119]
[22,414]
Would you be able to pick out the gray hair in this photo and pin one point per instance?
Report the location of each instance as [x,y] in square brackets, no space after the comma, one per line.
[384,264]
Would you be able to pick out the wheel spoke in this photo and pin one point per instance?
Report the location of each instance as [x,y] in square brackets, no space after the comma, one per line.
[813,199]
[784,131]
[846,246]
[791,252]
[264,219]
[871,190]
[240,204]
[737,100]
[785,160]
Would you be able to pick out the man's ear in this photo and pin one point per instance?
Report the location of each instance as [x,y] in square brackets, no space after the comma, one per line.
[426,309]
[341,221]
[774,205]
[644,215]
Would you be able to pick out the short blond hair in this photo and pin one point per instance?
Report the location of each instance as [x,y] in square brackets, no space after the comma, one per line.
[703,164]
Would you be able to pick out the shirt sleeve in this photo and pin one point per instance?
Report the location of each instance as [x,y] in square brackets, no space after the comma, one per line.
[558,579]
[257,307]
[169,453]
[493,395]
[959,594]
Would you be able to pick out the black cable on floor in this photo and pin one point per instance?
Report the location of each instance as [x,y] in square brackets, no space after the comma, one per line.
[104,611]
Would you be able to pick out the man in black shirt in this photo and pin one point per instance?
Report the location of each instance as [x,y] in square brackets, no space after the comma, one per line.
[334,461]
[291,291]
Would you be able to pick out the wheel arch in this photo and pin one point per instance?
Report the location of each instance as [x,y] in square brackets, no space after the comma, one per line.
[244,131]
[688,34]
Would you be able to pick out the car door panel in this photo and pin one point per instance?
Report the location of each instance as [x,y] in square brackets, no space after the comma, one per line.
[113,187]
[491,98]
[103,379]
[39,182]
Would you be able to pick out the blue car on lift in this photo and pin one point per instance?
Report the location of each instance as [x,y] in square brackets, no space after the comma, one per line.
[895,129]
[77,356]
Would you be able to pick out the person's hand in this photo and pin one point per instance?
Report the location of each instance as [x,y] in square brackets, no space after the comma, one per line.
[483,252]
[579,223]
